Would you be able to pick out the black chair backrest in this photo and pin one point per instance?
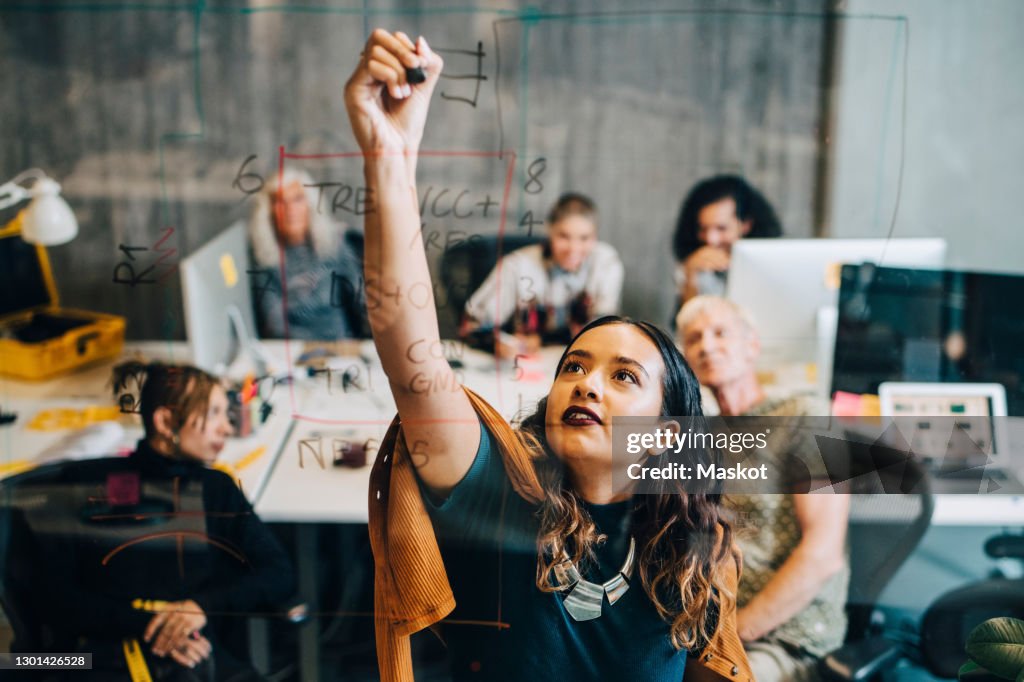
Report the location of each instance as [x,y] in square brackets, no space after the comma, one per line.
[950,619]
[24,501]
[465,266]
[355,241]
[884,530]
[44,509]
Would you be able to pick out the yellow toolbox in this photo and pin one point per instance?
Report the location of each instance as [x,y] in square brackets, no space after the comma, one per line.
[38,338]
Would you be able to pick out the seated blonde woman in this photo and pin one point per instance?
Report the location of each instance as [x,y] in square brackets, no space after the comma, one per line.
[546,293]
[303,260]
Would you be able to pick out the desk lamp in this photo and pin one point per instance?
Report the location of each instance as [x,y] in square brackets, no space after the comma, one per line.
[48,219]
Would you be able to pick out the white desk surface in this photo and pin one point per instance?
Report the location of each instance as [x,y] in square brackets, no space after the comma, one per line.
[337,494]
[978,510]
[318,491]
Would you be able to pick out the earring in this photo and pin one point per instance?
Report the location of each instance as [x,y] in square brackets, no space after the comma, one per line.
[175,440]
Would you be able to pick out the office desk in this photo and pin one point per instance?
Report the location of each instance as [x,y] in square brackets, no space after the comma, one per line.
[20,445]
[306,486]
[978,510]
[318,408]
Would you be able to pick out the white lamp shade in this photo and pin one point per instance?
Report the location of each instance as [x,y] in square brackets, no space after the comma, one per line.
[48,220]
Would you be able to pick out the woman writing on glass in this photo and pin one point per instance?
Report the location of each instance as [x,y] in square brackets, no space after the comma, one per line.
[541,567]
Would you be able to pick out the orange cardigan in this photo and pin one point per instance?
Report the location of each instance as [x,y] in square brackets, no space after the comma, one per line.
[411,587]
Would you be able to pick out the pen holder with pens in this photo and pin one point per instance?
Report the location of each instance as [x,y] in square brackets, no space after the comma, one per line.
[249,405]
[529,319]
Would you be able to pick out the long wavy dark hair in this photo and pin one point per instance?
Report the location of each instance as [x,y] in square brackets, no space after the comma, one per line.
[681,536]
[750,205]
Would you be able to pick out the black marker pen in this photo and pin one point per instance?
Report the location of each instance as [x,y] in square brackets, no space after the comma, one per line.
[415,75]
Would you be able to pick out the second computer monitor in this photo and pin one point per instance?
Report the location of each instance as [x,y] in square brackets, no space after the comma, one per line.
[790,287]
[217,299]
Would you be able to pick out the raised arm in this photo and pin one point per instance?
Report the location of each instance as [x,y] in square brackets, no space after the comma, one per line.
[387,114]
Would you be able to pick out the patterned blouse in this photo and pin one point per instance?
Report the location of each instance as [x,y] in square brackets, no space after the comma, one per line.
[768,532]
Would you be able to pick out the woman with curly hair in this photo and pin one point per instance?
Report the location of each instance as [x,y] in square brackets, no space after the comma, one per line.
[717,213]
[537,565]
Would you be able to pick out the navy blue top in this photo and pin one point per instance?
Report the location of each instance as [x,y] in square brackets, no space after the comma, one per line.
[488,540]
[325,296]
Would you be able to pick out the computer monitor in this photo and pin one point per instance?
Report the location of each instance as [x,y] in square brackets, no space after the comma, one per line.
[789,287]
[897,324]
[932,411]
[217,299]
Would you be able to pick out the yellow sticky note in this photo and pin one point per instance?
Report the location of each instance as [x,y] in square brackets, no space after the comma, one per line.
[833,276]
[870,406]
[228,270]
[59,419]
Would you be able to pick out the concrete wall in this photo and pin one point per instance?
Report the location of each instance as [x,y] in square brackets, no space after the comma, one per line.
[928,99]
[146,116]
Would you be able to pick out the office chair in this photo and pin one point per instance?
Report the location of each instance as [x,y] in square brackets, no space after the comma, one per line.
[885,528]
[23,499]
[466,264]
[42,509]
[355,241]
[950,618]
[884,531]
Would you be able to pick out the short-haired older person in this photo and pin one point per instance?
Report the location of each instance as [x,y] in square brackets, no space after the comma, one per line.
[793,588]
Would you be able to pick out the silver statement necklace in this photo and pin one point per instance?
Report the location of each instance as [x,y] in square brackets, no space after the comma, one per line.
[585,598]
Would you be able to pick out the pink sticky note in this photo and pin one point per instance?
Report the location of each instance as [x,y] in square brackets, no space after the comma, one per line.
[846,404]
